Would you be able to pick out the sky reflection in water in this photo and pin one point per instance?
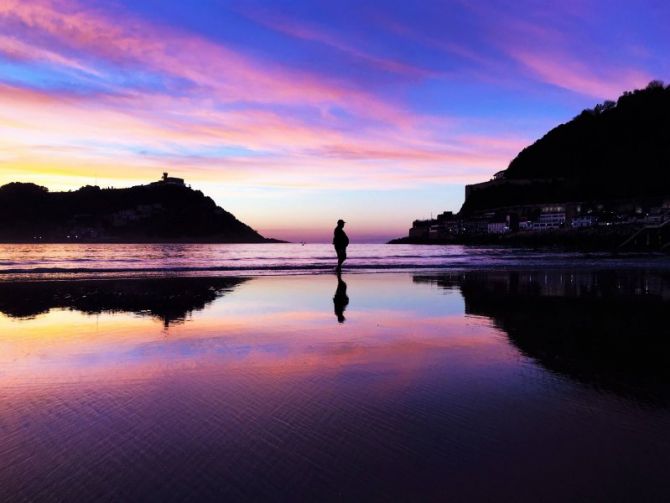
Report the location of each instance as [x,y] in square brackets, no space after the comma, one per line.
[543,384]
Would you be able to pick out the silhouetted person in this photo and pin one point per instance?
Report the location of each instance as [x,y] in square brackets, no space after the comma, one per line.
[340,241]
[340,300]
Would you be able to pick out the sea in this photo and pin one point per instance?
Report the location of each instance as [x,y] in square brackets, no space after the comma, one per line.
[141,260]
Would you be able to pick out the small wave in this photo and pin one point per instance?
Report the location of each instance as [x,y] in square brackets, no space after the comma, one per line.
[257,267]
[14,273]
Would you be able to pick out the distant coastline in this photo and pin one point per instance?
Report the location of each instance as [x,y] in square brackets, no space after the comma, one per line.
[164,211]
[594,239]
[139,241]
[600,181]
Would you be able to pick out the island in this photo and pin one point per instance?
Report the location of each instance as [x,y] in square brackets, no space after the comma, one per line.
[602,180]
[163,211]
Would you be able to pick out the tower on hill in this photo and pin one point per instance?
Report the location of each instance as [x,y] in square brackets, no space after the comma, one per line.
[171,180]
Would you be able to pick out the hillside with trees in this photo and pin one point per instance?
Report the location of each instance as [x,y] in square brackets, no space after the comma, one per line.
[157,212]
[617,150]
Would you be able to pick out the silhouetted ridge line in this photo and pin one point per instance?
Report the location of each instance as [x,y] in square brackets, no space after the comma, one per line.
[163,211]
[617,150]
[591,183]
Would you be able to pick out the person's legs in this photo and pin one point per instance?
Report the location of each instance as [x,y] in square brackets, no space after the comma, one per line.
[341,257]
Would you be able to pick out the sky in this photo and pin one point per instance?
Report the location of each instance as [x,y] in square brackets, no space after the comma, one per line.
[292,115]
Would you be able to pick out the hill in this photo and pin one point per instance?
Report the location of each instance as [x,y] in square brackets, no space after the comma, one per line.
[164,211]
[617,150]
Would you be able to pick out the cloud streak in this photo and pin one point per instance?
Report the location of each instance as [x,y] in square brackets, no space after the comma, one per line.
[299,100]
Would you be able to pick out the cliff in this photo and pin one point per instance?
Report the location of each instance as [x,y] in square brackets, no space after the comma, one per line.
[617,150]
[158,212]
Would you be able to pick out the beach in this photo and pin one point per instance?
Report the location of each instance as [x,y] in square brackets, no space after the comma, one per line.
[514,383]
[334,251]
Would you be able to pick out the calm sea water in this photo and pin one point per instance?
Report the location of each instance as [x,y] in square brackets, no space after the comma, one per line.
[93,260]
[470,385]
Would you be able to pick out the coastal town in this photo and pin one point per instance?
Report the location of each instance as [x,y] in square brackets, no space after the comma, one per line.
[599,180]
[539,217]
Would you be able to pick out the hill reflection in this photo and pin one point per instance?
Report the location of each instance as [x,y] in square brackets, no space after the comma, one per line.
[169,299]
[608,329]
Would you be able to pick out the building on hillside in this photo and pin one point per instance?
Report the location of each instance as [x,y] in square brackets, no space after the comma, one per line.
[171,180]
[420,229]
[583,221]
[525,224]
[446,216]
[475,225]
[551,217]
[435,231]
[448,224]
[498,228]
[512,220]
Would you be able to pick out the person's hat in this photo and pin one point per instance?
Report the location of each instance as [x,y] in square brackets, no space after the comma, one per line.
[340,221]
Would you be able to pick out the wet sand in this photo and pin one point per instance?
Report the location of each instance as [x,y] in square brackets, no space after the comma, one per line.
[478,385]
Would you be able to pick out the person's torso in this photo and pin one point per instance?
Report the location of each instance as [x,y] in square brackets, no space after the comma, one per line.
[340,238]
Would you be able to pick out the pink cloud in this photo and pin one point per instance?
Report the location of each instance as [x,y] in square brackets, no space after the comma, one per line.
[18,50]
[76,33]
[549,52]
[221,72]
[292,154]
[571,73]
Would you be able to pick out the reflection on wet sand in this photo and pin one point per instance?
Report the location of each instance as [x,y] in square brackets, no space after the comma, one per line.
[168,299]
[605,328]
[340,300]
[261,395]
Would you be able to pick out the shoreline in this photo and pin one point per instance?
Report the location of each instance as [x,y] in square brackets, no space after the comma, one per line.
[575,261]
[593,239]
[138,242]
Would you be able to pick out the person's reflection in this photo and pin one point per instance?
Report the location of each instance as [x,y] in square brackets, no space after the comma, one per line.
[340,300]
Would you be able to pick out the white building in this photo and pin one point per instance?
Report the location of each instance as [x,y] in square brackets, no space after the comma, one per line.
[584,221]
[552,217]
[497,228]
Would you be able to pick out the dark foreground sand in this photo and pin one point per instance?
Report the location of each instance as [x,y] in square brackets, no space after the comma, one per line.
[479,385]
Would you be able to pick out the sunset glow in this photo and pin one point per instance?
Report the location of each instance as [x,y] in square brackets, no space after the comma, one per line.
[294,115]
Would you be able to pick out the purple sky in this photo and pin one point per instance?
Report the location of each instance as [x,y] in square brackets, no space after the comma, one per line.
[294,114]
